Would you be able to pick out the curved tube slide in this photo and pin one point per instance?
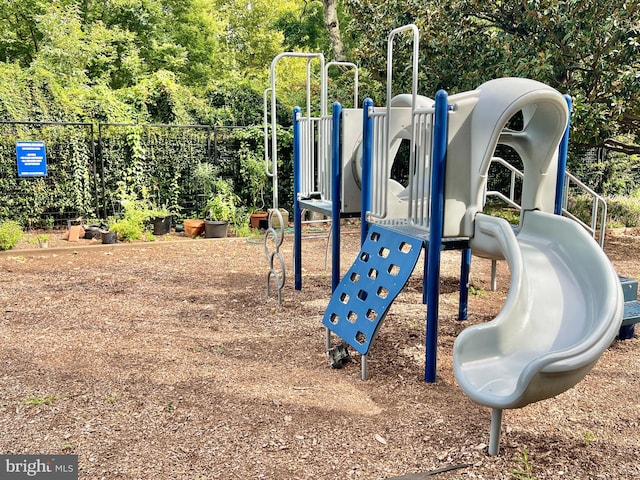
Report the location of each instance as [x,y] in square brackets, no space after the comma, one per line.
[563,309]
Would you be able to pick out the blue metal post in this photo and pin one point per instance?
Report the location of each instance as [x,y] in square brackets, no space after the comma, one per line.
[367,158]
[336,195]
[562,162]
[436,221]
[297,212]
[465,268]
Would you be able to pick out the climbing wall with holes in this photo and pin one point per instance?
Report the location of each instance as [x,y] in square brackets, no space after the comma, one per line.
[365,294]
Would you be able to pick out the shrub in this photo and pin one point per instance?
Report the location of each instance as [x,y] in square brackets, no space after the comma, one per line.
[623,211]
[132,224]
[10,234]
[127,229]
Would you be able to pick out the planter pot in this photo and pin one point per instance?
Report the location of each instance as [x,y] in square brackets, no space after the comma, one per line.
[193,227]
[91,232]
[44,244]
[275,220]
[161,225]
[109,237]
[215,229]
[258,220]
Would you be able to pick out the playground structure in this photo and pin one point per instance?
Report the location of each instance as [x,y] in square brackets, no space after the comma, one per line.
[452,144]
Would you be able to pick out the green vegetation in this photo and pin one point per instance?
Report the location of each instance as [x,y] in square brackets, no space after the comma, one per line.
[589,438]
[131,225]
[498,209]
[589,50]
[40,400]
[525,472]
[221,205]
[207,62]
[477,291]
[622,211]
[10,234]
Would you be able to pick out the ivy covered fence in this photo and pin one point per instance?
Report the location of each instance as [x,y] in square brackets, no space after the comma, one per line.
[92,167]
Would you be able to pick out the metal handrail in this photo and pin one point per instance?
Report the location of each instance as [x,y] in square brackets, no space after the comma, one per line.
[354,67]
[598,210]
[265,119]
[274,137]
[381,126]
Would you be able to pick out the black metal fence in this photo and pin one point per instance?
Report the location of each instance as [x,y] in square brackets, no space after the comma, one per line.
[91,167]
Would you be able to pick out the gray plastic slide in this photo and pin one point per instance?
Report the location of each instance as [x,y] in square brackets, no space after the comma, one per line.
[563,309]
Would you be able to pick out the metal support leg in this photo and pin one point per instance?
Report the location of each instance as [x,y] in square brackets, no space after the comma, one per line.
[465,268]
[494,436]
[494,275]
[363,367]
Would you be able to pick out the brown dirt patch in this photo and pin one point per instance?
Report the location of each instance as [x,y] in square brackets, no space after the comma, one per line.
[168,361]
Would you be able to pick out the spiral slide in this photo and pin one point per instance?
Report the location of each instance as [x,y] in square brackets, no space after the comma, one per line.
[563,309]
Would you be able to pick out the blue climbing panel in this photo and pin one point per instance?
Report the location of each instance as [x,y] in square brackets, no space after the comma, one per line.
[364,295]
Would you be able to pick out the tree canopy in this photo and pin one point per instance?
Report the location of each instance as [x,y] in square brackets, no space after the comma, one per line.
[207,61]
[590,50]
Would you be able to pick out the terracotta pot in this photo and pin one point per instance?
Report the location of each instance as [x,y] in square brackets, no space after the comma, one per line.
[258,220]
[193,227]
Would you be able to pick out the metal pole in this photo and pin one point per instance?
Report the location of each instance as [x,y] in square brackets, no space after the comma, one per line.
[494,435]
[102,180]
[96,196]
[414,95]
[367,152]
[465,268]
[274,119]
[494,275]
[297,213]
[355,77]
[335,196]
[436,221]
[562,161]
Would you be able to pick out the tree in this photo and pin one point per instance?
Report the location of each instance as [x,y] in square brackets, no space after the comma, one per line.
[590,50]
[333,29]
[20,37]
[305,29]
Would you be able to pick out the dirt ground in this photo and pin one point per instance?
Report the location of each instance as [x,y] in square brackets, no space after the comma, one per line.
[167,360]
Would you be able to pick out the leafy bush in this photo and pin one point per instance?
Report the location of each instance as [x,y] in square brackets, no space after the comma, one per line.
[499,209]
[127,229]
[623,211]
[10,234]
[221,206]
[132,224]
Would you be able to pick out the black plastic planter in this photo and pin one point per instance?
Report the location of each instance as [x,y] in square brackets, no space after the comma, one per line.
[161,225]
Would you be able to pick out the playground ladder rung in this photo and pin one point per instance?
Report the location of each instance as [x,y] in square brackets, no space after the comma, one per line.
[631,313]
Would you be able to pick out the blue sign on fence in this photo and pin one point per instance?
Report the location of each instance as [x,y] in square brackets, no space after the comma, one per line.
[32,159]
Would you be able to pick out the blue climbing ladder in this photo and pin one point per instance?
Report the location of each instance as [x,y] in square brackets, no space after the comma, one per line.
[364,295]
